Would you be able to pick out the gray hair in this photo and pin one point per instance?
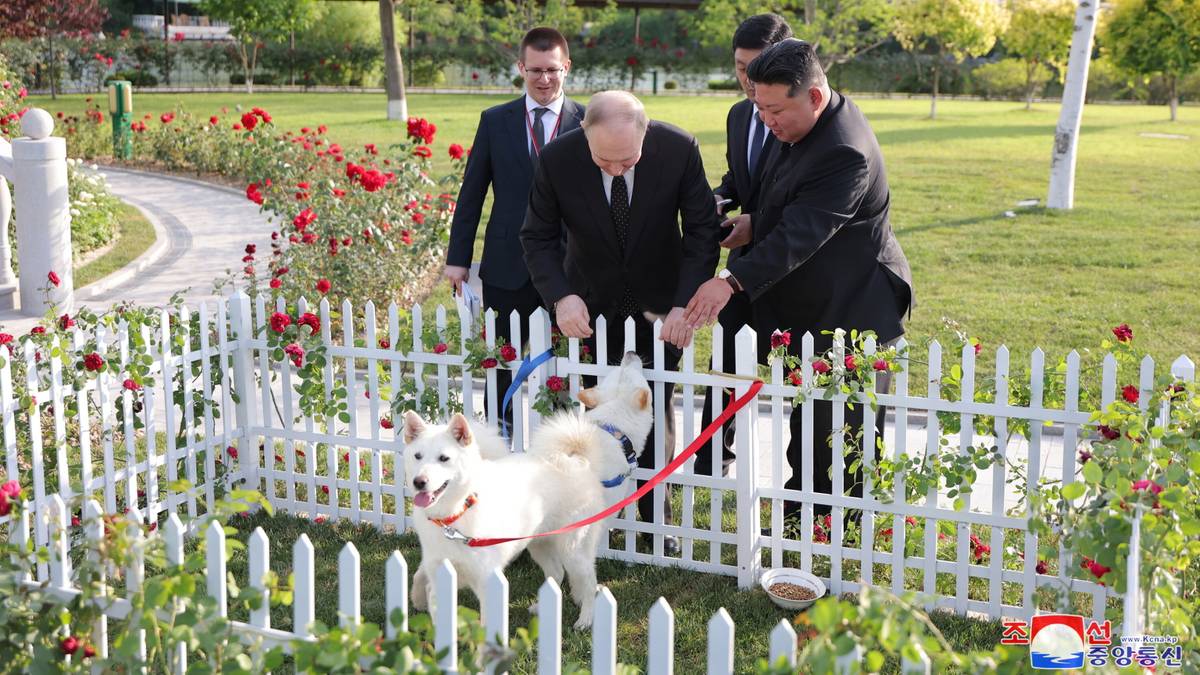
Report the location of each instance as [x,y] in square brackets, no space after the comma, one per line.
[608,107]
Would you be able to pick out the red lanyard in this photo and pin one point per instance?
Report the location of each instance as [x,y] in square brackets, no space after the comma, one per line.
[537,145]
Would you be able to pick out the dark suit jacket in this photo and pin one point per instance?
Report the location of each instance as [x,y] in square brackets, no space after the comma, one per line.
[824,254]
[662,265]
[738,183]
[500,158]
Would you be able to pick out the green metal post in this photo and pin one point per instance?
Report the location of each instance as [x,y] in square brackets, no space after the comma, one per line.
[120,109]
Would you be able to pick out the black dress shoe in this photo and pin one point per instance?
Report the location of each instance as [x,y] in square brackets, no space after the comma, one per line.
[670,543]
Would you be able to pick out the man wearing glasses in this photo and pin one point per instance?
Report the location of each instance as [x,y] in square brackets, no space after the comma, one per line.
[508,143]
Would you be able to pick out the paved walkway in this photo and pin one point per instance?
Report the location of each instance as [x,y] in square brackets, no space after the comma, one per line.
[202,230]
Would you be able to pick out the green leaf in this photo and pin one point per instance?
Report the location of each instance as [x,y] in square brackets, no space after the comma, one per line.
[1072,491]
[1092,472]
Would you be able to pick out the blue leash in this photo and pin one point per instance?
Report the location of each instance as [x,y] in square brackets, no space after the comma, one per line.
[522,374]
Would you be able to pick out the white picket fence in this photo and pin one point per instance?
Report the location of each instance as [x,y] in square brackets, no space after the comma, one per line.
[660,649]
[300,464]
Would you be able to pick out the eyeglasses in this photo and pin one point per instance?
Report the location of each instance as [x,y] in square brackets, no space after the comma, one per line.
[548,73]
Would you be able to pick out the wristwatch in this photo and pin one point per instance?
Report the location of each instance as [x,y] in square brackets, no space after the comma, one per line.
[730,279]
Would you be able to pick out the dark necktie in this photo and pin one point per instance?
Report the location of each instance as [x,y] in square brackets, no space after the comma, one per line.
[618,207]
[539,133]
[756,143]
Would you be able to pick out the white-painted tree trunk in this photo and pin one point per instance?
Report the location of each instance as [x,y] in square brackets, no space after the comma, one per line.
[1066,135]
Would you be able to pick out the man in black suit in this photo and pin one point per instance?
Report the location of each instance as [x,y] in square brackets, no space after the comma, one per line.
[618,188]
[824,254]
[747,144]
[508,142]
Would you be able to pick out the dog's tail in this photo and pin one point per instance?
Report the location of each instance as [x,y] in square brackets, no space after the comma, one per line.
[566,440]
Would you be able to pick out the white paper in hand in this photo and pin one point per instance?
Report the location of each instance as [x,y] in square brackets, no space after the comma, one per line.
[472,301]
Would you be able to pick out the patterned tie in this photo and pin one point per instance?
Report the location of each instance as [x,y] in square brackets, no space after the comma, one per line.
[618,207]
[756,143]
[539,133]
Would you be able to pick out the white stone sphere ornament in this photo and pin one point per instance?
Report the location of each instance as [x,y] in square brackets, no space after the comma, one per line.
[37,124]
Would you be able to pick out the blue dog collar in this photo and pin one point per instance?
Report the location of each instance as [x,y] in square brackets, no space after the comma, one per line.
[627,448]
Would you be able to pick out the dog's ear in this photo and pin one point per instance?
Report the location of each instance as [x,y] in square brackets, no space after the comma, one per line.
[588,397]
[642,399]
[414,426]
[460,429]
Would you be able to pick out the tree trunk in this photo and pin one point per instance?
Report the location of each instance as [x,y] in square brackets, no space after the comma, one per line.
[50,60]
[397,102]
[933,99]
[810,12]
[1061,194]
[1030,67]
[1174,80]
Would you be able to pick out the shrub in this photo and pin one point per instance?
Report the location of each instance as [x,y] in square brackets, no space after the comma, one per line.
[139,78]
[1005,78]
[670,84]
[724,85]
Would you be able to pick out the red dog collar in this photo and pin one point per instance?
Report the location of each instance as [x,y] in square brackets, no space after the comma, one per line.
[449,520]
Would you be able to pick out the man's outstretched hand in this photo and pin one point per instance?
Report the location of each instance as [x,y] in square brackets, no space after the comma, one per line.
[707,303]
[571,314]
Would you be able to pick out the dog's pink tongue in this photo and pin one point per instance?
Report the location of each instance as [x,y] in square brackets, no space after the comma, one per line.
[422,499]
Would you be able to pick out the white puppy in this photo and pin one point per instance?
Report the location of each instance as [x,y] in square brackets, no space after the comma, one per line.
[459,488]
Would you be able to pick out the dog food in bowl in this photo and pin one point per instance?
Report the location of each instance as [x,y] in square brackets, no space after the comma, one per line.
[792,591]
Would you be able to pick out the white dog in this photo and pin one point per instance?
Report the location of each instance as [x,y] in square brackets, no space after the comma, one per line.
[462,487]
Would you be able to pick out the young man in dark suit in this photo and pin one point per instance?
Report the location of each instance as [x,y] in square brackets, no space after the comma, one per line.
[747,144]
[510,138]
[824,255]
[641,236]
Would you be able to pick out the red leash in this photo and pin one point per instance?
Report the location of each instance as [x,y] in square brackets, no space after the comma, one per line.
[669,469]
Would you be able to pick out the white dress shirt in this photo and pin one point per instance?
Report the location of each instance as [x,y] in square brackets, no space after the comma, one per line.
[608,185]
[549,119]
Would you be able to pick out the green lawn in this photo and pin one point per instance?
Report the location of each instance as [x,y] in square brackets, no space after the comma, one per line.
[135,235]
[1055,280]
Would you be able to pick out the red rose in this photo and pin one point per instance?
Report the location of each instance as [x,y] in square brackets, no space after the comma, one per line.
[253,194]
[781,338]
[166,118]
[406,237]
[631,61]
[130,384]
[1041,567]
[1095,568]
[37,330]
[280,322]
[1084,456]
[249,121]
[69,645]
[354,171]
[1109,433]
[5,338]
[323,286]
[508,353]
[311,320]
[65,321]
[93,362]
[420,129]
[296,352]
[489,363]
[386,422]
[232,452]
[851,364]
[251,249]
[1130,393]
[978,346]
[555,383]
[456,151]
[880,365]
[5,507]
[304,219]
[90,651]
[423,151]
[373,180]
[418,218]
[820,366]
[440,348]
[52,277]
[1123,333]
[213,120]
[795,377]
[1145,484]
[276,283]
[385,343]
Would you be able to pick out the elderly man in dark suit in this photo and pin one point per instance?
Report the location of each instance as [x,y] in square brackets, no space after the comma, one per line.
[824,255]
[747,144]
[508,142]
[641,235]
